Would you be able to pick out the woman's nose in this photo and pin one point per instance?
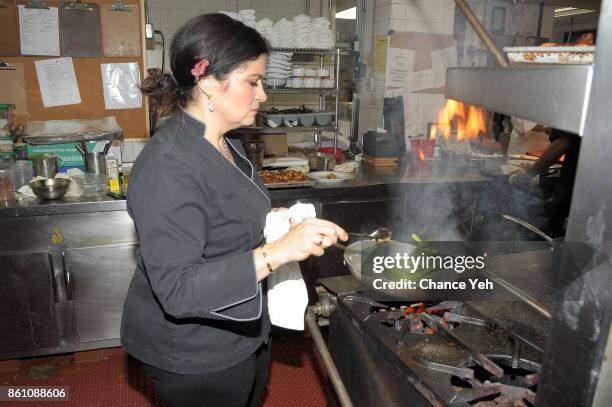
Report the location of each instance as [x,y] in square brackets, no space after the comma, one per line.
[261,93]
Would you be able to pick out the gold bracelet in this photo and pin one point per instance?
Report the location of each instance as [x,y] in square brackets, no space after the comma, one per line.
[265,256]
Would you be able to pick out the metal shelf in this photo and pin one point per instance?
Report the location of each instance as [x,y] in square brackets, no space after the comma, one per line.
[316,91]
[552,95]
[282,130]
[305,50]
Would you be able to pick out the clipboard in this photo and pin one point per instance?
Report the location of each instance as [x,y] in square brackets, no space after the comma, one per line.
[13,89]
[80,29]
[9,30]
[119,37]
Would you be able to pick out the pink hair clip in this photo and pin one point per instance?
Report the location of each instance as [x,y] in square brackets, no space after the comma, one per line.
[199,69]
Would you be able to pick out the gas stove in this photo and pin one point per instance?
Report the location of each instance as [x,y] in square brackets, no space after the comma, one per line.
[442,354]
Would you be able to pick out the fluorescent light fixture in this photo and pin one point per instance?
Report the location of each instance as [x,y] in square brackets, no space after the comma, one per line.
[570,11]
[348,14]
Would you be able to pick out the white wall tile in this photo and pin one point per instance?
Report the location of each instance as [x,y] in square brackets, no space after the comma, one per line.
[418,13]
[383,13]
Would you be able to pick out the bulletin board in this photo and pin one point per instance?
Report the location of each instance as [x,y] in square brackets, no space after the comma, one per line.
[134,122]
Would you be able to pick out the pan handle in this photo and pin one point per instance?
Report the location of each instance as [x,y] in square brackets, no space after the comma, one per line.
[529,226]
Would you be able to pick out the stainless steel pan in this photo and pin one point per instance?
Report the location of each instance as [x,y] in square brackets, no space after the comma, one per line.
[360,253]
[356,254]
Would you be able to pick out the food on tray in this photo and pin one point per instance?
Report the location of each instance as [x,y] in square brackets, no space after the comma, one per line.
[283,177]
[583,40]
[331,176]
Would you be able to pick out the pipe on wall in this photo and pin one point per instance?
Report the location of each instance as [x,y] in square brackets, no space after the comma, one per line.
[482,32]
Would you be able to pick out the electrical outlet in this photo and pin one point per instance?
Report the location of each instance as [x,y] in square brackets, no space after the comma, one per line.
[149,30]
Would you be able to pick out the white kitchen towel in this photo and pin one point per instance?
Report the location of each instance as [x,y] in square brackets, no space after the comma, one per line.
[287,294]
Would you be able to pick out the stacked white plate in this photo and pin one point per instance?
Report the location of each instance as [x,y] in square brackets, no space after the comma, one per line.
[321,36]
[233,15]
[264,27]
[302,28]
[279,68]
[248,17]
[283,32]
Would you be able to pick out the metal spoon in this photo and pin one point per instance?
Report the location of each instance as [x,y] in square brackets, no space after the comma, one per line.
[379,236]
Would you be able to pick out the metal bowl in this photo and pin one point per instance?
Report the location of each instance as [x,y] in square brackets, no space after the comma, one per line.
[322,162]
[50,188]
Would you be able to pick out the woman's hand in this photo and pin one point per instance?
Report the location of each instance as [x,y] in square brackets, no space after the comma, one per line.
[304,239]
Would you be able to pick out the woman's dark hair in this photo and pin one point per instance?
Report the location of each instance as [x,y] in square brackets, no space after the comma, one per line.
[226,44]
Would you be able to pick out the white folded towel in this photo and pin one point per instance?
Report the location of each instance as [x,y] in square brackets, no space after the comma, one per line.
[287,294]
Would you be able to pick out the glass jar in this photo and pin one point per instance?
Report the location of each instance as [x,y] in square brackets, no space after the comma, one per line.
[126,168]
[6,119]
[7,186]
[22,173]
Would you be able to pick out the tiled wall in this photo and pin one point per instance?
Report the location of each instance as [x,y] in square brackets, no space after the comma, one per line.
[130,149]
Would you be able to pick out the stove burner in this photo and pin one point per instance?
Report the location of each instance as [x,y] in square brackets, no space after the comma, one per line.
[517,387]
[414,318]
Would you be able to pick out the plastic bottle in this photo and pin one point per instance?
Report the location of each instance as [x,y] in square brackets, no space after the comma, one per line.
[112,171]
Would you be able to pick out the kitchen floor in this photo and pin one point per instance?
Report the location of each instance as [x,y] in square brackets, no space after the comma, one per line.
[109,377]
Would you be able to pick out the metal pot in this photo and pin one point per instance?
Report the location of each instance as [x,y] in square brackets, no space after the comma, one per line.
[322,162]
[45,166]
[95,163]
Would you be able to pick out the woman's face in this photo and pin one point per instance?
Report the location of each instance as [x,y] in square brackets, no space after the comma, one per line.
[242,93]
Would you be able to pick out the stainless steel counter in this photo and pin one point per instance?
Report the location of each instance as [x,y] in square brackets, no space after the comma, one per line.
[366,182]
[66,264]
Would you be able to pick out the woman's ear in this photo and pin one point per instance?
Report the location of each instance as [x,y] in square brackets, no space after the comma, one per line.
[209,85]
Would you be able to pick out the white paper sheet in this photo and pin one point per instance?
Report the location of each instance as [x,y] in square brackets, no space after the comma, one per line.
[57,80]
[121,83]
[411,115]
[39,31]
[441,59]
[421,80]
[400,64]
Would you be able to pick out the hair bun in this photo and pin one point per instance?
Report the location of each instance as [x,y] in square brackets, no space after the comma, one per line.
[164,92]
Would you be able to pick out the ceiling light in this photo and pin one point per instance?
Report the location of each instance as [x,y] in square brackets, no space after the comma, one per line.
[570,11]
[349,14]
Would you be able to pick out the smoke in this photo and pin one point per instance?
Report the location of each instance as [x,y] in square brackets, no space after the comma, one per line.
[450,200]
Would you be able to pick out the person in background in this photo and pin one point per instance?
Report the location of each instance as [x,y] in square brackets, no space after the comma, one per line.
[562,144]
[196,311]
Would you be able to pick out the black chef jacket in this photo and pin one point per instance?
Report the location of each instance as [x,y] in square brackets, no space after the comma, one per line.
[194,304]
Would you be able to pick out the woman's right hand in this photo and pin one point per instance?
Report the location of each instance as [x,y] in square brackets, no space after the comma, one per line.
[304,239]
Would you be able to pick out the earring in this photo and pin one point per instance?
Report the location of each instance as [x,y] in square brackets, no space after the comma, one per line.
[211,106]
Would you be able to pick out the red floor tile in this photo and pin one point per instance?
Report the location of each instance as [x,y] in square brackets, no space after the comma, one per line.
[296,379]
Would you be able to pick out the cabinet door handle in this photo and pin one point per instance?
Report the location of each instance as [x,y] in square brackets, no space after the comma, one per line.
[67,277]
[52,273]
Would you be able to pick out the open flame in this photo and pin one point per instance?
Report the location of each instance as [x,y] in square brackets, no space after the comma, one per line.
[469,123]
[421,155]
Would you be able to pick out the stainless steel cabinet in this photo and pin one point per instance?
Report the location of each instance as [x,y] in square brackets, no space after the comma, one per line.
[100,280]
[63,281]
[28,315]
